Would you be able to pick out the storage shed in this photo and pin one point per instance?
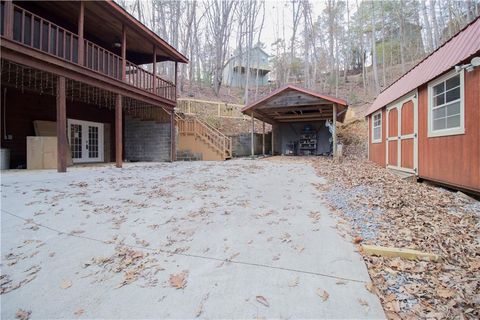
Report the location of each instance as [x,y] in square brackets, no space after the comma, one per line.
[303,121]
[427,123]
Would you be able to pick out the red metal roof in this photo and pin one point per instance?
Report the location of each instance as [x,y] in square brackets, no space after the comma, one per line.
[292,87]
[463,45]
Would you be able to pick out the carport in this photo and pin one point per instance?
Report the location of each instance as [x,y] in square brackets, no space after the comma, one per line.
[303,121]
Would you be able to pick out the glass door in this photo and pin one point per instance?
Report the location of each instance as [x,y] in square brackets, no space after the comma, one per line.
[86,141]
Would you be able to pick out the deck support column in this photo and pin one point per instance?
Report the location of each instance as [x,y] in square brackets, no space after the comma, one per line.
[8,21]
[81,22]
[154,71]
[253,135]
[263,138]
[118,131]
[173,130]
[124,53]
[273,140]
[173,133]
[334,134]
[176,80]
[62,145]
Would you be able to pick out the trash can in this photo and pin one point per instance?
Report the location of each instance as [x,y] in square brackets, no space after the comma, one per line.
[4,159]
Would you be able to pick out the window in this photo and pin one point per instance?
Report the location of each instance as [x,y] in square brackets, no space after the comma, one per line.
[377,127]
[445,105]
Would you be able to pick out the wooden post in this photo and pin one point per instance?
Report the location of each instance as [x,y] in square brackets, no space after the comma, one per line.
[118,131]
[176,80]
[253,135]
[81,22]
[124,53]
[8,21]
[173,152]
[263,138]
[154,70]
[62,145]
[334,130]
[273,140]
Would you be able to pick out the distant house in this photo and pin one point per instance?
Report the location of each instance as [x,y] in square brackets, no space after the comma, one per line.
[235,71]
[427,123]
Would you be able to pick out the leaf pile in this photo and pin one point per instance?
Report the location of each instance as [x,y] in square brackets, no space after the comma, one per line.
[385,210]
[132,263]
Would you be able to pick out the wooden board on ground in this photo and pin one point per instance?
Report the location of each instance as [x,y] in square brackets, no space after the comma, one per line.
[399,252]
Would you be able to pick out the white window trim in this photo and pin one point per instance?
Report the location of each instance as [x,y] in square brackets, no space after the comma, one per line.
[451,131]
[373,126]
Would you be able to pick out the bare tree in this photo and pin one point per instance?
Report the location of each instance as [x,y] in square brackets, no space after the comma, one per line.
[219,20]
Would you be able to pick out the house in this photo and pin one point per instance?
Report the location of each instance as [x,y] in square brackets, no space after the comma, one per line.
[303,121]
[427,123]
[234,72]
[79,71]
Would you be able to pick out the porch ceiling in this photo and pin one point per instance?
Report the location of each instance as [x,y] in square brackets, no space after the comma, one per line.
[292,104]
[41,82]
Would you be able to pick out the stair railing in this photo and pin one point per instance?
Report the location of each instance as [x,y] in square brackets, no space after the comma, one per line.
[216,139]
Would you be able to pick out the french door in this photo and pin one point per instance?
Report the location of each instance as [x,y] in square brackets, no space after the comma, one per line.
[402,134]
[86,141]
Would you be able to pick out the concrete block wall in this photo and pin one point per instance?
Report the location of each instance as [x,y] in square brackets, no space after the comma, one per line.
[146,140]
[241,144]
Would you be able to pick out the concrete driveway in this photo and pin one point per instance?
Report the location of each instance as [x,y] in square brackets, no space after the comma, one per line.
[236,239]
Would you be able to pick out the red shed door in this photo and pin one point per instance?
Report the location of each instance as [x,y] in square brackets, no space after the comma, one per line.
[392,137]
[402,138]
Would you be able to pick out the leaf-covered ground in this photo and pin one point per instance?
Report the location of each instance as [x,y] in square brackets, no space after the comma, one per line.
[381,209]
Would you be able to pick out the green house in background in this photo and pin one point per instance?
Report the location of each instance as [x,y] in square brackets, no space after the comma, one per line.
[235,70]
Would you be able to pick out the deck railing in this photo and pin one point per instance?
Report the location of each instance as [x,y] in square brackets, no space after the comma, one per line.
[41,34]
[101,60]
[33,31]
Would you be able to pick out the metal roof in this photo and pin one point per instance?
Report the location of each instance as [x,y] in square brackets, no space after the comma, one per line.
[460,47]
[288,87]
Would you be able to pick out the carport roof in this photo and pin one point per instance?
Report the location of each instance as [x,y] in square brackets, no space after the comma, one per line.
[293,104]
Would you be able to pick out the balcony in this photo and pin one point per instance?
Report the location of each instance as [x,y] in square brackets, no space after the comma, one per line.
[40,34]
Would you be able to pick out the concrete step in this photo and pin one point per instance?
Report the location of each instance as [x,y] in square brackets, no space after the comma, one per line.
[188,155]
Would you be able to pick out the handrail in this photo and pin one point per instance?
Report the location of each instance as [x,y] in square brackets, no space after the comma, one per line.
[40,34]
[215,108]
[197,127]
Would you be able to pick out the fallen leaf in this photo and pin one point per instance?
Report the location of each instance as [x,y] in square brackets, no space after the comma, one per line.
[445,293]
[79,312]
[293,282]
[363,302]
[357,239]
[262,300]
[178,281]
[23,314]
[369,286]
[323,294]
[65,284]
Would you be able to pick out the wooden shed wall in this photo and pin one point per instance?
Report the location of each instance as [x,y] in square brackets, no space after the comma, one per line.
[25,107]
[454,159]
[376,151]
